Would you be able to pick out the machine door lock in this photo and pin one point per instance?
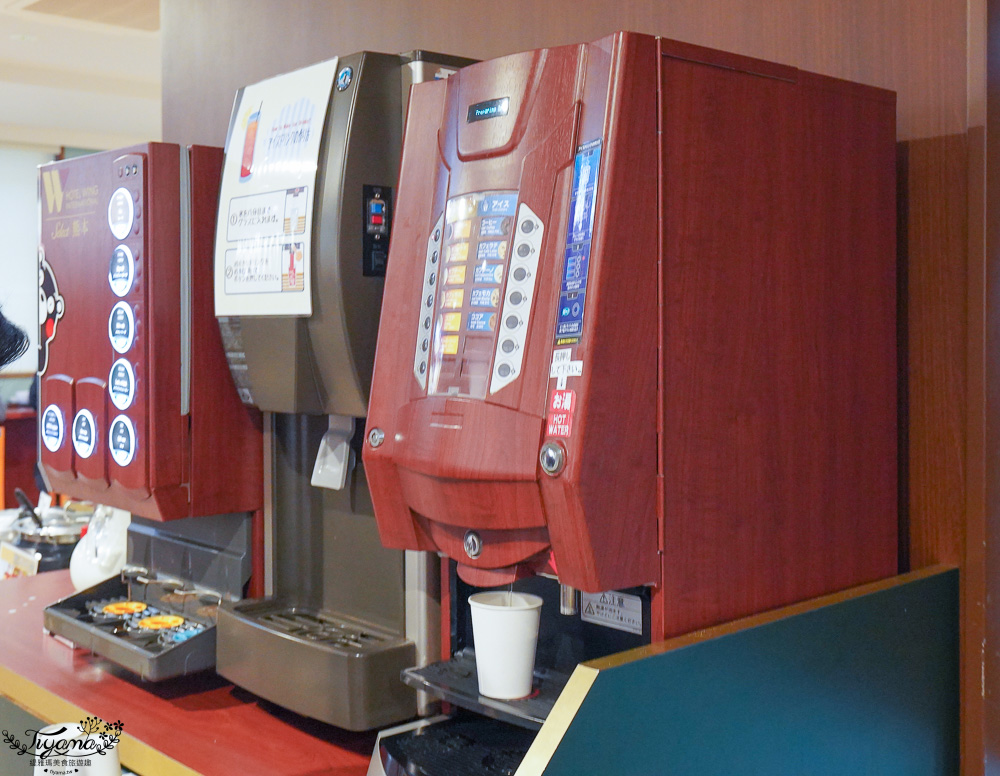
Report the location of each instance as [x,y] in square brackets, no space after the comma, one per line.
[473,544]
[552,458]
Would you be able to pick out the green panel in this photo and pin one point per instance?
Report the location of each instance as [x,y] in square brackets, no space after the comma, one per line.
[864,686]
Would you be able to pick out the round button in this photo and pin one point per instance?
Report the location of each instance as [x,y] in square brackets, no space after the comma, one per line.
[473,544]
[516,297]
[520,274]
[121,270]
[429,301]
[53,428]
[434,257]
[84,434]
[528,227]
[504,370]
[437,235]
[427,323]
[424,345]
[423,367]
[121,384]
[121,327]
[508,346]
[122,440]
[523,250]
[121,212]
[432,278]
[512,321]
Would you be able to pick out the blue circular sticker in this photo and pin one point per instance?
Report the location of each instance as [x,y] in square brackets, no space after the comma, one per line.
[344,78]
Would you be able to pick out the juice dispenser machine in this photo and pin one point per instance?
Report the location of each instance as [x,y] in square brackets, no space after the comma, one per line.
[137,408]
[638,339]
[306,208]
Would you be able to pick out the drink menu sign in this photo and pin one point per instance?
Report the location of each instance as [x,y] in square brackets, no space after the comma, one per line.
[264,232]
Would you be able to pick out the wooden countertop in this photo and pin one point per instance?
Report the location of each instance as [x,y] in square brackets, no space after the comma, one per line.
[193,725]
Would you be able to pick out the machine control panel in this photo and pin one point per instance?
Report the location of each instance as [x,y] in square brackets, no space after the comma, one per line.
[378,221]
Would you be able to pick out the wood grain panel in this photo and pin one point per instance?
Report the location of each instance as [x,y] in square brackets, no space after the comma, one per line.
[935,245]
[915,48]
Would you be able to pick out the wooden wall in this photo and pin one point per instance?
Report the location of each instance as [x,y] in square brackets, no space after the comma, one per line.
[922,49]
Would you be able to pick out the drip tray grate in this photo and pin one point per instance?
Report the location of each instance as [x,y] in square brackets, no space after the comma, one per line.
[323,628]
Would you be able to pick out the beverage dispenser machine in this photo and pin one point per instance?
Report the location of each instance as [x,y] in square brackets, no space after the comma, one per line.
[639,338]
[301,249]
[137,408]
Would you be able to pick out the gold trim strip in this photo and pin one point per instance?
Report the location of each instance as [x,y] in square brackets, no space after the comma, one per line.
[49,707]
[557,723]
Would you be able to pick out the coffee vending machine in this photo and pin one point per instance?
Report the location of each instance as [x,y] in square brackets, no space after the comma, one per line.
[137,408]
[308,198]
[637,354]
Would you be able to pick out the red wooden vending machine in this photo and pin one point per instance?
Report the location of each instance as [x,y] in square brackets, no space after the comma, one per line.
[137,407]
[639,328]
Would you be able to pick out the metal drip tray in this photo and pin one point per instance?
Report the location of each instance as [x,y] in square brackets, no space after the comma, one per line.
[334,668]
[455,681]
[324,628]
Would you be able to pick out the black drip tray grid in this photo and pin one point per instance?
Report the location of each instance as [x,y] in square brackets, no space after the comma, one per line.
[455,681]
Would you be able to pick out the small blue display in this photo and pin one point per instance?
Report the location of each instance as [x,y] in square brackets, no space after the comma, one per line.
[498,205]
[579,232]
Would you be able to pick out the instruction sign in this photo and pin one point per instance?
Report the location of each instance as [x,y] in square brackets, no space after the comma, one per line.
[264,234]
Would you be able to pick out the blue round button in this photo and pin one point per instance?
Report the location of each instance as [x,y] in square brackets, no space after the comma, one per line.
[344,78]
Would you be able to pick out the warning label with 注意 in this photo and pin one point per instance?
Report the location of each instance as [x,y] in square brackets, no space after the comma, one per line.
[613,610]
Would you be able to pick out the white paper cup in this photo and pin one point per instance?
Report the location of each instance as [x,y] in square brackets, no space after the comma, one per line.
[49,737]
[505,632]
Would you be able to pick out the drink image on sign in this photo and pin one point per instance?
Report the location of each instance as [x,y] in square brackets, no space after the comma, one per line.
[53,428]
[121,384]
[249,141]
[121,270]
[121,327]
[84,434]
[121,213]
[122,440]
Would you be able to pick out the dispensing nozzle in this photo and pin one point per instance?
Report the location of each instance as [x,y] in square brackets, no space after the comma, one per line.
[567,599]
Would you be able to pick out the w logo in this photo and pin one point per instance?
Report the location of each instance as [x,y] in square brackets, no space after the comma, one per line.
[53,191]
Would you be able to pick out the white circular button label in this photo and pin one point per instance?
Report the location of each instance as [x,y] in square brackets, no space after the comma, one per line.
[121,327]
[121,213]
[121,270]
[53,428]
[121,384]
[84,434]
[122,440]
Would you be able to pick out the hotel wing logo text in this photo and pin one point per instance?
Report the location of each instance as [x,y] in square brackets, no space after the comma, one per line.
[52,185]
